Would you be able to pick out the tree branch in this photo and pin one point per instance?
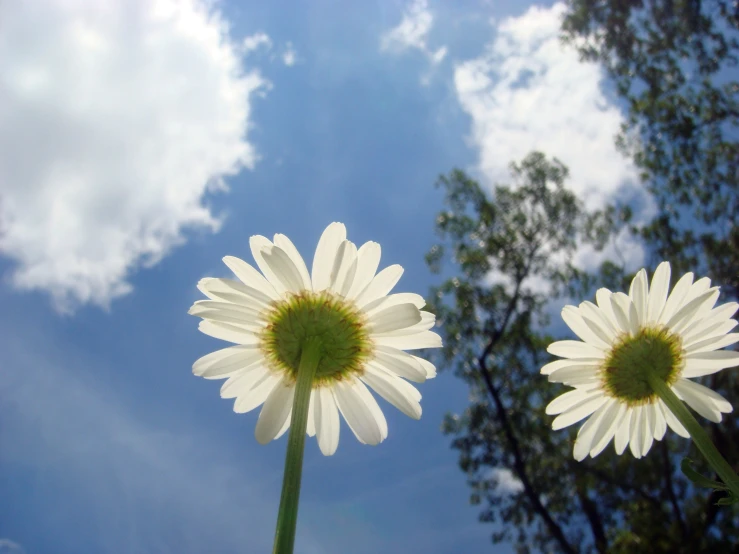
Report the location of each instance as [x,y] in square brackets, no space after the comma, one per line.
[578,467]
[596,523]
[669,489]
[518,464]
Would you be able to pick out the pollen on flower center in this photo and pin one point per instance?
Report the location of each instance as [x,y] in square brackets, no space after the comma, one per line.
[339,324]
[625,369]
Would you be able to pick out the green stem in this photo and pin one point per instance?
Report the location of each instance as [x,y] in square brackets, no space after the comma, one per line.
[287,517]
[699,436]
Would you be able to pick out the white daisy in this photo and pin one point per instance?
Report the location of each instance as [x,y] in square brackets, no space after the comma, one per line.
[676,337]
[363,329]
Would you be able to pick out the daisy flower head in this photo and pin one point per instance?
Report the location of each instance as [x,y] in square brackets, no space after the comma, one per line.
[675,337]
[343,303]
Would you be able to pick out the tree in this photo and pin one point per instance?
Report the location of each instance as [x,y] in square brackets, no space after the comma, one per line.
[509,257]
[674,64]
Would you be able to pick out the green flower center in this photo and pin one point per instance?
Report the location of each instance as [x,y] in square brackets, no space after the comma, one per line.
[626,367]
[345,342]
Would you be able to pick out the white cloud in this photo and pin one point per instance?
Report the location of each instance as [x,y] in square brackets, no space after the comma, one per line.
[9,547]
[412,32]
[116,118]
[528,92]
[289,56]
[506,482]
[255,41]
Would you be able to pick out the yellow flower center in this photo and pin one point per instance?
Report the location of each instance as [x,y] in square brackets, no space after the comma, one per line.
[624,371]
[340,326]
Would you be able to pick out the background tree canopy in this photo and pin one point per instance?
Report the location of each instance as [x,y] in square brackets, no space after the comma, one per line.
[510,255]
[674,64]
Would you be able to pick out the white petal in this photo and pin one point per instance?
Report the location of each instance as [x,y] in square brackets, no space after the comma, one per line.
[587,431]
[353,400]
[579,411]
[227,332]
[283,269]
[636,432]
[243,381]
[257,394]
[675,299]
[236,318]
[599,327]
[579,372]
[621,439]
[626,313]
[428,320]
[574,321]
[658,292]
[694,310]
[647,429]
[575,349]
[426,339]
[603,298]
[717,329]
[672,421]
[698,329]
[569,400]
[660,425]
[234,291]
[697,289]
[401,363]
[427,366]
[285,426]
[310,426]
[722,405]
[368,259]
[250,276]
[227,366]
[596,315]
[694,298]
[698,364]
[394,318]
[344,269]
[205,306]
[638,293]
[605,432]
[225,356]
[393,300]
[551,367]
[289,248]
[380,285]
[275,412]
[713,343]
[397,392]
[694,396]
[259,245]
[588,382]
[323,261]
[326,421]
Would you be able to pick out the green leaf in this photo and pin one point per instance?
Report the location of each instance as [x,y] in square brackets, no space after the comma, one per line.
[697,478]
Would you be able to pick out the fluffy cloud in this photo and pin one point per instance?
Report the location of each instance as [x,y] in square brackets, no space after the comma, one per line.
[289,56]
[116,118]
[9,547]
[506,482]
[256,41]
[528,92]
[412,32]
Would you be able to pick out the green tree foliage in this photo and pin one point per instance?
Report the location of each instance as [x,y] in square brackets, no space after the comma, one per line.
[508,257]
[674,63]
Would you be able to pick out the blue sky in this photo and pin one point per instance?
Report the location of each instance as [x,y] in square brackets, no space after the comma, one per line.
[140,142]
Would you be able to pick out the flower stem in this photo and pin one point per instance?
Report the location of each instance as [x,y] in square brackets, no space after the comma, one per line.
[287,517]
[699,436]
